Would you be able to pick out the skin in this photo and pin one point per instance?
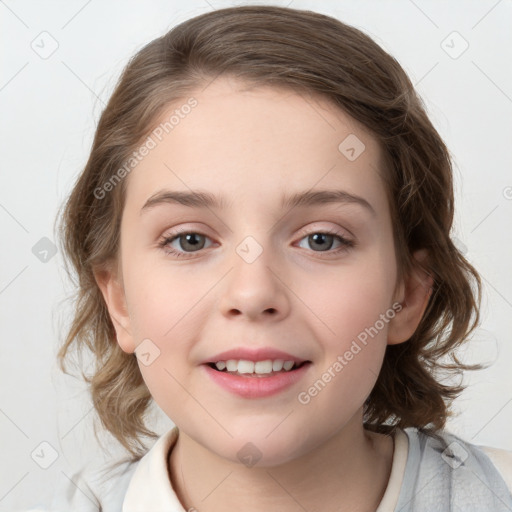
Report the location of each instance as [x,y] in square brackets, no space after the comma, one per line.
[253,146]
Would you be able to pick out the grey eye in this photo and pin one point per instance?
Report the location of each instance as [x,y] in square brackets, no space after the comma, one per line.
[320,241]
[190,242]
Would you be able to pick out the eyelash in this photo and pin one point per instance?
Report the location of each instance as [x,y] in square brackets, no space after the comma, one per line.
[346,244]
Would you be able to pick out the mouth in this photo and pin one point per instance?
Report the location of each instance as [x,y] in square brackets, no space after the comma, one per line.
[257,379]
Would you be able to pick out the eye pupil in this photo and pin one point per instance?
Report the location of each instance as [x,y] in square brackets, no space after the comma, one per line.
[192,240]
[320,238]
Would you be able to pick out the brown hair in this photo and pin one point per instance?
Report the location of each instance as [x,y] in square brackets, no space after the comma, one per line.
[312,54]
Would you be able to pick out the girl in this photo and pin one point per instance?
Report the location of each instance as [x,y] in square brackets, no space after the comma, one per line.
[262,242]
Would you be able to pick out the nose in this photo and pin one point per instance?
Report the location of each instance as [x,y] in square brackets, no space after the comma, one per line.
[255,289]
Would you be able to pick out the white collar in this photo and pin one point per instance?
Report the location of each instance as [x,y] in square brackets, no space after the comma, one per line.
[150,487]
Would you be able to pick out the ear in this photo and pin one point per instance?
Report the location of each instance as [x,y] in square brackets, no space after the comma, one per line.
[112,290]
[414,294]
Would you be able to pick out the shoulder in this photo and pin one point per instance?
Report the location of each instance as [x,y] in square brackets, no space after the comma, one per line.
[502,460]
[456,451]
[99,489]
[453,470]
[110,487]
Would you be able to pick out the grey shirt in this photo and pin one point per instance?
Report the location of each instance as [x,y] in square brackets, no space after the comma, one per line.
[449,474]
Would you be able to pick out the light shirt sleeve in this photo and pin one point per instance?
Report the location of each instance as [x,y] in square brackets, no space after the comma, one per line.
[90,490]
[502,459]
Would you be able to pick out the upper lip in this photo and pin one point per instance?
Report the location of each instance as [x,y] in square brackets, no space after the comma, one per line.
[253,354]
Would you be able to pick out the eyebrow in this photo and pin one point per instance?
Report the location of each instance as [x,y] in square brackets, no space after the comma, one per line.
[201,199]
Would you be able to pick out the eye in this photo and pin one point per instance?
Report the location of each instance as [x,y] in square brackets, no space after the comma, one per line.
[183,243]
[323,241]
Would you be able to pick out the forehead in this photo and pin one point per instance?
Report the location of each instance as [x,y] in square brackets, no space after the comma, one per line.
[242,141]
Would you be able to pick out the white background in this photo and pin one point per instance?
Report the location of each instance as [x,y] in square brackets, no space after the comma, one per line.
[49,108]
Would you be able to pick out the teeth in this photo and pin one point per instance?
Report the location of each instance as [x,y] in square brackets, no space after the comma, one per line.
[231,365]
[288,365]
[263,366]
[260,367]
[277,365]
[245,366]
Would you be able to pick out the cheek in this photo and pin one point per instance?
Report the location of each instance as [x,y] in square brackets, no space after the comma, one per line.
[355,309]
[349,300]
[166,309]
[162,300]
[353,338]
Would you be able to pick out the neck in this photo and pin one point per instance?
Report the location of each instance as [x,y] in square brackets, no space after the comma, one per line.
[349,471]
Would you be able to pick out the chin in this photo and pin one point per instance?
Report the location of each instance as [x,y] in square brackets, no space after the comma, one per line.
[262,450]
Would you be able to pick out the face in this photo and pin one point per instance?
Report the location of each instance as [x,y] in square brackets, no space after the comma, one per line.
[256,272]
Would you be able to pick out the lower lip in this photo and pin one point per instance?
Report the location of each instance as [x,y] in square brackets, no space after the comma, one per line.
[257,387]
